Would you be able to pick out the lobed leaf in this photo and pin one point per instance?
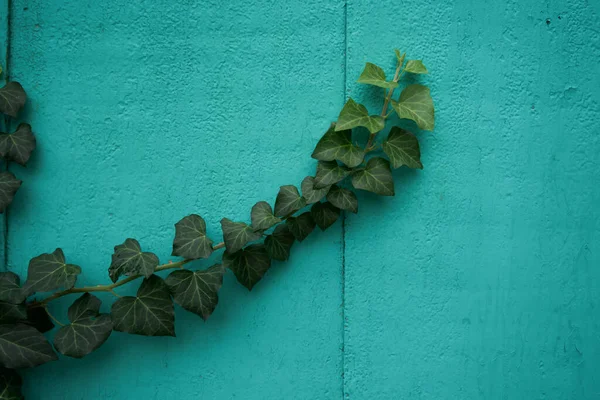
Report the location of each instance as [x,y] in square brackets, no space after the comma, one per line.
[262,216]
[402,147]
[415,103]
[288,201]
[248,265]
[237,234]
[354,114]
[190,240]
[87,305]
[279,243]
[9,185]
[324,214]
[22,346]
[343,199]
[10,288]
[83,336]
[12,312]
[48,272]
[10,385]
[329,173]
[17,146]
[337,145]
[12,99]
[376,177]
[310,192]
[196,291]
[374,75]
[150,313]
[415,67]
[129,259]
[301,226]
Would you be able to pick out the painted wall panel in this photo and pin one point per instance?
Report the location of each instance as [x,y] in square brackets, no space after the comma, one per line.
[480,279]
[148,111]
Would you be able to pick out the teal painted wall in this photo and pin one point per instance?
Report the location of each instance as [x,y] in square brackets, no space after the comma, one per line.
[479,280]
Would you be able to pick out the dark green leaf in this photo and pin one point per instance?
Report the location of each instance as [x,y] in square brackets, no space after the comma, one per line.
[12,99]
[49,271]
[301,226]
[376,177]
[9,185]
[237,234]
[128,259]
[402,147]
[288,201]
[150,313]
[354,114]
[415,103]
[191,241]
[10,288]
[38,318]
[310,193]
[343,199]
[22,346]
[279,243]
[374,75]
[415,67]
[248,265]
[262,216]
[18,145]
[337,145]
[324,214]
[83,336]
[196,291]
[87,305]
[10,385]
[12,312]
[329,173]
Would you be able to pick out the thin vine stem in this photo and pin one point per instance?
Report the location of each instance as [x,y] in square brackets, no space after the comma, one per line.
[386,103]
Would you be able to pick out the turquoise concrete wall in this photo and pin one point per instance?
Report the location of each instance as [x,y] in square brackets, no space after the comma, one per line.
[479,280]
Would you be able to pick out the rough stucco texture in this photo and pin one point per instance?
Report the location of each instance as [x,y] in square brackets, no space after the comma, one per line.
[479,280]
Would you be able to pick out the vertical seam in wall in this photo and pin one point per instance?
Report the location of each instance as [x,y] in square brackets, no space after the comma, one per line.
[6,122]
[344,217]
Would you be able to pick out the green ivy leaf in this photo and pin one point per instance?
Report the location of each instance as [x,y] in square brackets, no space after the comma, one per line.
[249,265]
[337,145]
[87,331]
[324,214]
[129,259]
[191,241]
[38,318]
[10,288]
[237,234]
[18,145]
[12,99]
[400,56]
[87,305]
[415,103]
[49,271]
[376,177]
[301,226]
[288,201]
[310,193]
[374,75]
[262,216]
[9,185]
[402,147]
[150,313]
[196,291]
[22,346]
[415,67]
[12,312]
[343,199]
[10,385]
[279,243]
[354,114]
[329,173]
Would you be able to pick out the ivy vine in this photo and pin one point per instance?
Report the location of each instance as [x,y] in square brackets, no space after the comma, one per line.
[249,248]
